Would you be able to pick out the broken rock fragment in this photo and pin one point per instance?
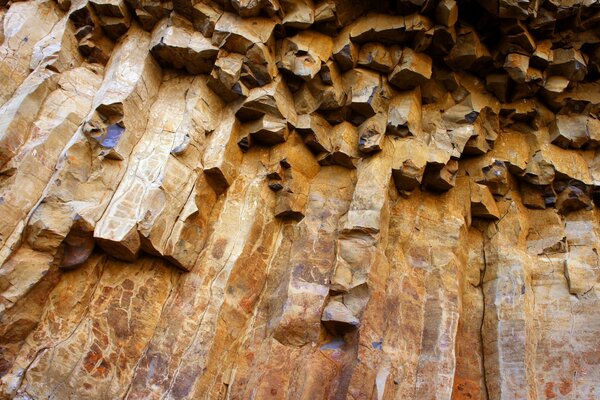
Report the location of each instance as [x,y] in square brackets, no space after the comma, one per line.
[174,42]
[413,70]
[483,204]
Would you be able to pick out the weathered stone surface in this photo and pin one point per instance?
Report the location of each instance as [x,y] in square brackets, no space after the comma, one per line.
[414,69]
[174,42]
[298,199]
[482,202]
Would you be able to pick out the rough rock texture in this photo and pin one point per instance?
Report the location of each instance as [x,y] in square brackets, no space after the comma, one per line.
[298,199]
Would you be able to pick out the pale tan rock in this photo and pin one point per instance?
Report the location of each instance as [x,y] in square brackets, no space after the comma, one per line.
[303,54]
[572,198]
[404,114]
[222,155]
[25,24]
[441,178]
[326,91]
[542,55]
[381,27]
[58,50]
[225,76]
[274,99]
[511,341]
[376,56]
[371,134]
[337,312]
[268,130]
[37,158]
[239,35]
[316,131]
[365,88]
[291,200]
[298,14]
[412,70]
[483,204]
[316,199]
[246,8]
[206,15]
[344,146]
[345,51]
[83,194]
[114,16]
[410,160]
[370,193]
[260,66]
[147,202]
[569,131]
[150,12]
[174,42]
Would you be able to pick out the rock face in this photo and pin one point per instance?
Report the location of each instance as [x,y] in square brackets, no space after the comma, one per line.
[298,199]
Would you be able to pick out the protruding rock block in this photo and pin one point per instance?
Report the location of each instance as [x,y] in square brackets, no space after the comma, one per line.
[572,198]
[581,269]
[371,133]
[365,88]
[440,178]
[344,146]
[225,76]
[414,69]
[446,13]
[483,204]
[238,35]
[114,16]
[370,193]
[268,130]
[409,162]
[355,254]
[388,28]
[568,63]
[174,42]
[404,114]
[205,16]
[552,162]
[303,54]
[517,66]
[107,129]
[124,245]
[469,52]
[299,14]
[316,131]
[292,198]
[345,51]
[222,155]
[569,131]
[377,57]
[338,316]
[274,99]
[45,229]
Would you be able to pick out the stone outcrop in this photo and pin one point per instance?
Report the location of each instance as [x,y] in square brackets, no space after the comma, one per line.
[298,199]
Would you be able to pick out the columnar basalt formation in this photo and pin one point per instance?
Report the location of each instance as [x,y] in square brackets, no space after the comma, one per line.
[300,199]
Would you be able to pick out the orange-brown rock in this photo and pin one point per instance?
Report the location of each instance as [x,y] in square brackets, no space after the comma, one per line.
[299,199]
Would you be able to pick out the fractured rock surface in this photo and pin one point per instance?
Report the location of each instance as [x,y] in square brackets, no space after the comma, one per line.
[298,199]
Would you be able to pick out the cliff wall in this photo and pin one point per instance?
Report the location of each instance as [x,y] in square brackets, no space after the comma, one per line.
[288,199]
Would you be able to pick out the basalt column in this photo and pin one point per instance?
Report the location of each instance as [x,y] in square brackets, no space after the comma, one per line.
[300,199]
